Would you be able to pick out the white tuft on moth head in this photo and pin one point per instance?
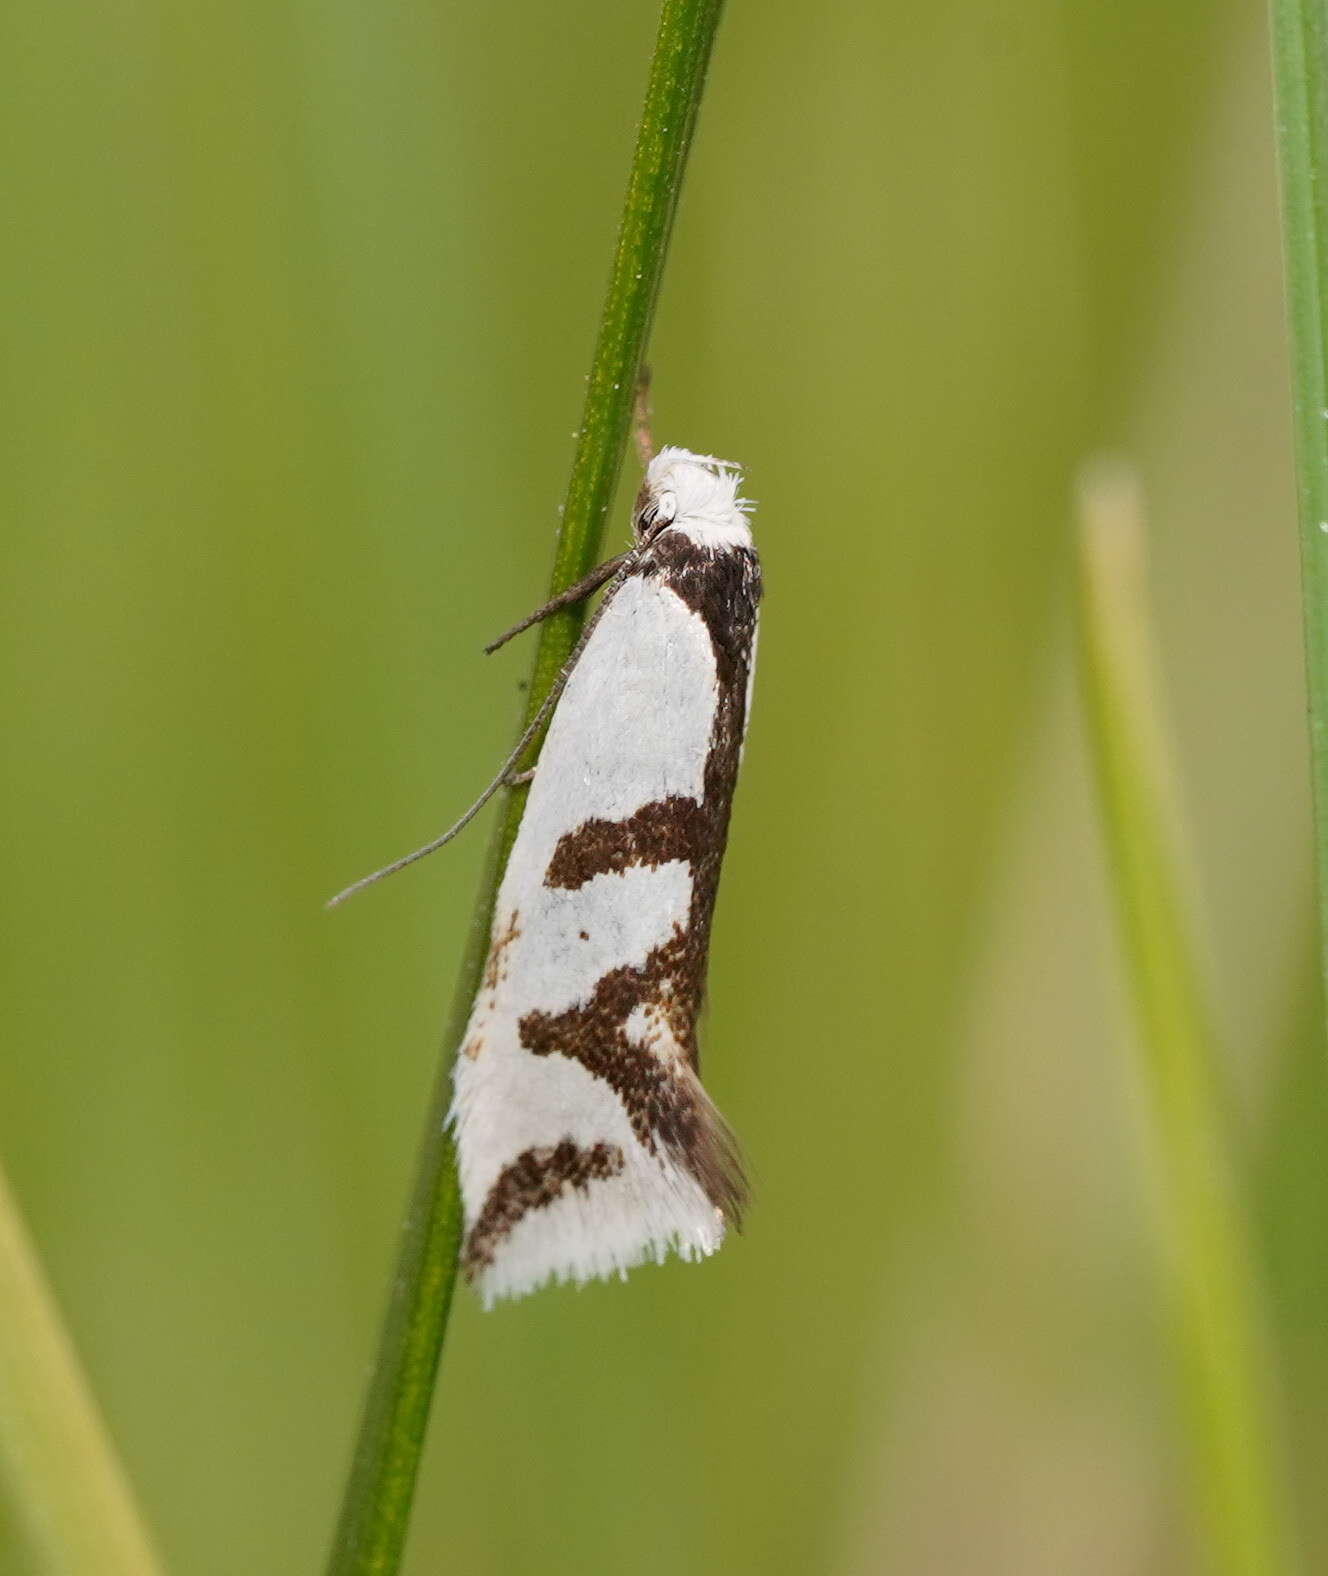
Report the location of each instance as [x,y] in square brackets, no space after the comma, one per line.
[697,495]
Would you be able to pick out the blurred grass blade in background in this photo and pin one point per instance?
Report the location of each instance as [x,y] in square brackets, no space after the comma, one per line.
[376,1511]
[66,1507]
[1300,49]
[1208,1265]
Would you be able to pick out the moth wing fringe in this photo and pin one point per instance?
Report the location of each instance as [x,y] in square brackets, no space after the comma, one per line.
[679,1201]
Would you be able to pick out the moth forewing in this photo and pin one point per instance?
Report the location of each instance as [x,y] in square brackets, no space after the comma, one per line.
[586,1143]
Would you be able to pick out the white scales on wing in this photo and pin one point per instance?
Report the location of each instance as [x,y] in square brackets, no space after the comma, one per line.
[586,1144]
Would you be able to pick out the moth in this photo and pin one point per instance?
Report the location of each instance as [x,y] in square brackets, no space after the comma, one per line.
[586,1144]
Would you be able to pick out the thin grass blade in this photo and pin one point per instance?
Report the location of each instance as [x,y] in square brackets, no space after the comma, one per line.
[1300,57]
[1208,1265]
[375,1512]
[66,1500]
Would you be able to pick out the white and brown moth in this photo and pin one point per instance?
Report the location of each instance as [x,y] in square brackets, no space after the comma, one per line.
[586,1144]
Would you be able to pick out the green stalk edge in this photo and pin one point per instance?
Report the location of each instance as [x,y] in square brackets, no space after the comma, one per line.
[1300,61]
[65,1502]
[1209,1272]
[375,1512]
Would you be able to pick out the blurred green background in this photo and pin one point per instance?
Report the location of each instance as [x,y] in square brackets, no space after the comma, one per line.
[298,303]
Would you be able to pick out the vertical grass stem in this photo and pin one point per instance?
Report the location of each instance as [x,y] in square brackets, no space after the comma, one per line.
[375,1511]
[1207,1261]
[1300,58]
[67,1507]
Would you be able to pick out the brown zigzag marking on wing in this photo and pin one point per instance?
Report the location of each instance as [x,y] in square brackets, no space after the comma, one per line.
[533,1181]
[664,1104]
[664,830]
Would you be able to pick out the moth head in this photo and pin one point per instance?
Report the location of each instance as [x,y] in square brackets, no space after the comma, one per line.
[694,494]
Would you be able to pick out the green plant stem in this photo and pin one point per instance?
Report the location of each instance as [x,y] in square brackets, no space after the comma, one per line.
[1208,1265]
[65,1497]
[1300,53]
[376,1509]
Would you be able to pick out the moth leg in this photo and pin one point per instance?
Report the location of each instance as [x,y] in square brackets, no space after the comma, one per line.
[573,594]
[516,779]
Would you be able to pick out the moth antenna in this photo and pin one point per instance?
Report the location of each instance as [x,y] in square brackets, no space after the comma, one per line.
[577,593]
[532,728]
